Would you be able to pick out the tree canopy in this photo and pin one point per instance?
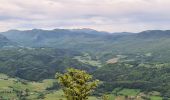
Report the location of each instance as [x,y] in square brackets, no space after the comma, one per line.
[77,84]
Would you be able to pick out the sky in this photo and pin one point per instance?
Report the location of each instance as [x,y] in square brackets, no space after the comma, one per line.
[102,15]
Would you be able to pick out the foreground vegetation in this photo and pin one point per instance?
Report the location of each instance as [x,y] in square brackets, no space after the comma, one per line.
[77,84]
[19,89]
[131,71]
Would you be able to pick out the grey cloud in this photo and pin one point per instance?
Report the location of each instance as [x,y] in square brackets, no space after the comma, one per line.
[107,15]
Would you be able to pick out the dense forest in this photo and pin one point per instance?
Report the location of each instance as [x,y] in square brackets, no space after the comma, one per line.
[38,63]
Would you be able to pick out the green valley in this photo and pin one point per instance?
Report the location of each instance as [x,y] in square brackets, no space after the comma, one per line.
[129,66]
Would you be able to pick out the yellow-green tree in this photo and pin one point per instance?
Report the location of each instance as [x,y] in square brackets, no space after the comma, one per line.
[105,97]
[77,84]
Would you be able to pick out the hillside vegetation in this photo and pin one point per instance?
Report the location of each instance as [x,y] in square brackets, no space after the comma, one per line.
[127,64]
[38,63]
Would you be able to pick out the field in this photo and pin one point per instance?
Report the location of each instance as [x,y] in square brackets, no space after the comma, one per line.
[37,90]
[58,95]
[9,88]
[88,60]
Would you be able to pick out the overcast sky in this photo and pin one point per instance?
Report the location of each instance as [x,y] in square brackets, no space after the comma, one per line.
[104,15]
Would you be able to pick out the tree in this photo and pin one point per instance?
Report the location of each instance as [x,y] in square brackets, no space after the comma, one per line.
[105,97]
[77,84]
[41,96]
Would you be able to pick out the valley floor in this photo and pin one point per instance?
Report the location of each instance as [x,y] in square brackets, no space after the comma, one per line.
[17,89]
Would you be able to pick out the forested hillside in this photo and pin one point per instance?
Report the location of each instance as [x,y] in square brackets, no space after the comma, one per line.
[101,44]
[125,63]
[4,42]
[38,63]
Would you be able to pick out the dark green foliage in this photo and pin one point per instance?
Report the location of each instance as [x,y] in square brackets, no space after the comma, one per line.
[38,64]
[140,77]
[41,96]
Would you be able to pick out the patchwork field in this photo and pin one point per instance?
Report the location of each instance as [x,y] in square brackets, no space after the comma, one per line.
[13,88]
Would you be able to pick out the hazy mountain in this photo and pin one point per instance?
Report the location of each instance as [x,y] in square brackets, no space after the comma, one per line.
[155,34]
[59,38]
[89,31]
[4,42]
[96,42]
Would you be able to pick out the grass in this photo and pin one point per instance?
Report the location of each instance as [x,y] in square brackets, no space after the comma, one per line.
[126,91]
[88,60]
[35,88]
[7,84]
[111,97]
[5,89]
[40,86]
[155,98]
[58,95]
[3,76]
[129,92]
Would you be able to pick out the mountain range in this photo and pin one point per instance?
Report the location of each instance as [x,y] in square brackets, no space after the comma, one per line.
[136,60]
[92,41]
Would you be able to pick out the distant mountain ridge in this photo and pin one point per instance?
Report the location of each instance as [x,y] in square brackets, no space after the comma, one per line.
[92,41]
[38,37]
[4,42]
[155,33]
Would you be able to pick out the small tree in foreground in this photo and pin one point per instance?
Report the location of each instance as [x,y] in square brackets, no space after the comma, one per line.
[105,97]
[77,84]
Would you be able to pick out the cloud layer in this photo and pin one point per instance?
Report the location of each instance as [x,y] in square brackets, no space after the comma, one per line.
[105,15]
